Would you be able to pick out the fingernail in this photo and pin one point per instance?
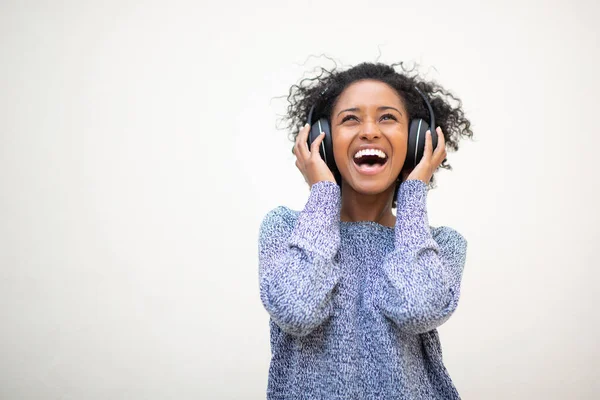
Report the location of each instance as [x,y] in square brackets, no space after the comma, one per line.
[307,125]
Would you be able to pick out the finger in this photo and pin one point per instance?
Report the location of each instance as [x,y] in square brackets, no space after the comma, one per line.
[302,142]
[441,139]
[297,152]
[296,143]
[440,149]
[314,148]
[427,152]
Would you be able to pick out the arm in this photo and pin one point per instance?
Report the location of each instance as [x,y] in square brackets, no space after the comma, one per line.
[297,269]
[422,275]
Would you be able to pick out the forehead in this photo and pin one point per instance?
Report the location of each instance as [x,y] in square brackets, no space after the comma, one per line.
[368,93]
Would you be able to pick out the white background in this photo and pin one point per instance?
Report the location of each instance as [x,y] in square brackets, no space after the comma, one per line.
[139,153]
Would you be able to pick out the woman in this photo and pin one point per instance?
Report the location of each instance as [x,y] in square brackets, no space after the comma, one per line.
[354,292]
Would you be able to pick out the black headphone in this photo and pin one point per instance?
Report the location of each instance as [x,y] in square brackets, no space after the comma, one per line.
[416,138]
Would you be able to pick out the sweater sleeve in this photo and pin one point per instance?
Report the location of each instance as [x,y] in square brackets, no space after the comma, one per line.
[298,269]
[422,274]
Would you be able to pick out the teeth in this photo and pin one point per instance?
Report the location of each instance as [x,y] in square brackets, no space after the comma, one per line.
[370,152]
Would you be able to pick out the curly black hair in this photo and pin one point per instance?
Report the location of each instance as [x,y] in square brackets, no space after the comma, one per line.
[324,89]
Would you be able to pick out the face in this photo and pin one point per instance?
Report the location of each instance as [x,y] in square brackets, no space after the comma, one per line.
[369,128]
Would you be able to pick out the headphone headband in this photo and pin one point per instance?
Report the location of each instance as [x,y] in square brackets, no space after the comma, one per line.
[431,115]
[310,113]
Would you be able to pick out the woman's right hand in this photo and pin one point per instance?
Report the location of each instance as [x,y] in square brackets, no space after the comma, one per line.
[309,162]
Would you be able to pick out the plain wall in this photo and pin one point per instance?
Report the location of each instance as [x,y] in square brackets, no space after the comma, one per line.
[139,153]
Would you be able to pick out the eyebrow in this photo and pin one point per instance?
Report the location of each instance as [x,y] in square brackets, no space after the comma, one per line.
[378,109]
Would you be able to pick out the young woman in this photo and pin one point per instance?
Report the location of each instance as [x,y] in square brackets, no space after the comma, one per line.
[355,292]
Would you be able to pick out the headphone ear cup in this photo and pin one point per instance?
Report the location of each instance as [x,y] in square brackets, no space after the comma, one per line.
[416,142]
[326,147]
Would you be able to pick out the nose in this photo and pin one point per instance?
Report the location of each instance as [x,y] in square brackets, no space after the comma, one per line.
[370,131]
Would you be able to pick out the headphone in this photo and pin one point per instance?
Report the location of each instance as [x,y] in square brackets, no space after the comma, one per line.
[416,138]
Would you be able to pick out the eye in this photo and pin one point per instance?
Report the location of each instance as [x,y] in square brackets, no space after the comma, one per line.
[348,118]
[387,117]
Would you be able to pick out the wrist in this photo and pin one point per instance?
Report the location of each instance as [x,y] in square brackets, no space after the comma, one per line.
[412,195]
[318,224]
[325,196]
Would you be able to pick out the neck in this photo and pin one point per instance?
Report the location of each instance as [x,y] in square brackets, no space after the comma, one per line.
[367,207]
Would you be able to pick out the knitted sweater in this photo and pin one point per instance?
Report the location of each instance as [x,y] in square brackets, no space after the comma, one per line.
[354,306]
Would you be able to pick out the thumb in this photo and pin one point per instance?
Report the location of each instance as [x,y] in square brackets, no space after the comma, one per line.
[314,147]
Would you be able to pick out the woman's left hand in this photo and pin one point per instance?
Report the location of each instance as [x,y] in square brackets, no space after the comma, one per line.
[431,159]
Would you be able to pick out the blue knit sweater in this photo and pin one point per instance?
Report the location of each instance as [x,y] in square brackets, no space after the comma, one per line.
[354,306]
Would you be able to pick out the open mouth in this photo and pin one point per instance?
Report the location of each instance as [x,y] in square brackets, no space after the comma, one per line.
[370,161]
